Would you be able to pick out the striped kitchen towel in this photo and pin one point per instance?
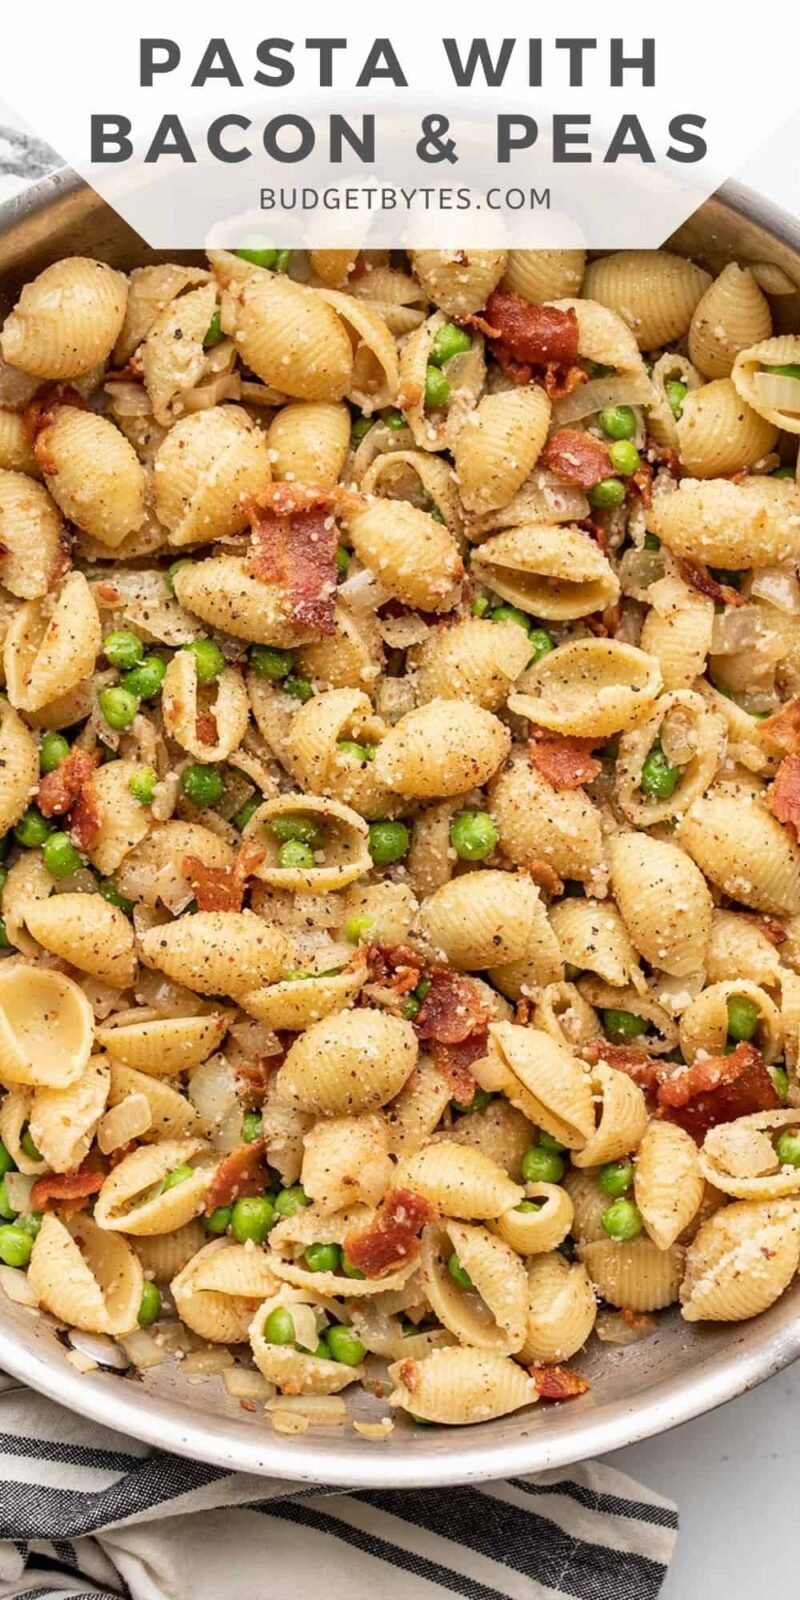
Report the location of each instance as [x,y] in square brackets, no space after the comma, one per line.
[89,1513]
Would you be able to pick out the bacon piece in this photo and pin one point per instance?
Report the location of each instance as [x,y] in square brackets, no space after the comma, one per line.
[392,1237]
[242,1172]
[253,1079]
[642,481]
[544,876]
[558,1383]
[701,579]
[294,542]
[84,820]
[66,1188]
[455,1060]
[561,381]
[222,888]
[718,1089]
[453,1008]
[771,928]
[536,335]
[59,790]
[783,796]
[604,624]
[576,456]
[409,1375]
[564,762]
[632,1059]
[394,966]
[206,727]
[782,729]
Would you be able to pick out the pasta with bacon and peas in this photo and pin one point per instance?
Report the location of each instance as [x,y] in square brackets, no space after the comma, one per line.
[400,793]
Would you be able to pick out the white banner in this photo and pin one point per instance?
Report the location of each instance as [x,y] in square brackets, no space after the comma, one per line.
[429,125]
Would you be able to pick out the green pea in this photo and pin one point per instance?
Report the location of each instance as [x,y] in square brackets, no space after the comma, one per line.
[598,369]
[511,614]
[449,341]
[743,1017]
[60,856]
[542,643]
[7,1162]
[145,680]
[652,541]
[480,1099]
[423,988]
[5,942]
[245,812]
[142,785]
[252,1217]
[618,422]
[169,575]
[480,606]
[357,928]
[784,472]
[323,1257]
[473,835]
[16,1246]
[342,561]
[219,1220]
[542,1166]
[31,1222]
[52,750]
[660,777]
[458,1273]
[214,333]
[30,1149]
[208,658]
[123,649]
[322,1351]
[615,1178]
[622,1220]
[439,516]
[32,829]
[529,1205]
[780,1078]
[624,457]
[394,420]
[202,785]
[150,1304]
[676,393]
[279,1326]
[789,369]
[301,689]
[176,1176]
[622,1025]
[361,428]
[271,664]
[359,752]
[410,1008]
[388,842]
[787,1148]
[283,260]
[257,256]
[251,1127]
[607,493]
[287,826]
[351,1271]
[294,855]
[437,389]
[344,1346]
[7,1211]
[118,706]
[290,1201]
[547,1142]
[111,893]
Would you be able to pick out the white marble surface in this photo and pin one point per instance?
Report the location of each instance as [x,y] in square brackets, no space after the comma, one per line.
[734,1473]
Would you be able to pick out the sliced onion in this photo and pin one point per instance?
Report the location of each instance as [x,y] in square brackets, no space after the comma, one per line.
[735,629]
[400,633]
[129,399]
[327,1409]
[777,393]
[15,1284]
[679,736]
[244,1383]
[778,586]
[228,386]
[363,592]
[18,1189]
[639,569]
[142,1348]
[215,1359]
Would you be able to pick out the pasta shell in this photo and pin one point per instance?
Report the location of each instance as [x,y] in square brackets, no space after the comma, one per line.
[290,1238]
[461,1386]
[751,524]
[154,872]
[346,1162]
[63,1121]
[458,281]
[308,443]
[498,446]
[445,748]
[732,315]
[542,1079]
[554,572]
[499,1130]
[294,1003]
[311,749]
[544,274]
[621,1119]
[561,1309]
[349,659]
[410,1118]
[654,292]
[375,368]
[494,1321]
[206,471]
[170,1114]
[95,1284]
[121,821]
[740,1261]
[742,1158]
[353,1061]
[695,739]
[486,919]
[132,1199]
[225,701]
[604,338]
[224,595]
[164,1255]
[677,631]
[663,899]
[668,1183]
[173,357]
[216,952]
[592,936]
[32,535]
[67,320]
[93,474]
[637,1274]
[589,687]
[413,555]
[290,336]
[46,1028]
[294,1371]
[162,1046]
[150,290]
[438,427]
[220,1288]
[19,766]
[51,645]
[535,1232]
[474,660]
[773,395]
[537,823]
[340,859]
[719,433]
[459,1181]
[704,1023]
[744,851]
[16,449]
[89,933]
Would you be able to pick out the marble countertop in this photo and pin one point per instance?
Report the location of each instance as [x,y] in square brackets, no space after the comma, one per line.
[731,1469]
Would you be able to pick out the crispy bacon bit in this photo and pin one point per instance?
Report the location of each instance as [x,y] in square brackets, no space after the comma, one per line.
[558,1383]
[578,457]
[604,624]
[782,729]
[133,372]
[68,1189]
[544,876]
[394,966]
[564,762]
[206,727]
[294,542]
[58,790]
[253,1078]
[718,1089]
[222,888]
[454,1062]
[632,1059]
[409,1375]
[561,381]
[700,579]
[84,820]
[642,482]
[41,411]
[242,1172]
[783,796]
[392,1237]
[535,335]
[453,1008]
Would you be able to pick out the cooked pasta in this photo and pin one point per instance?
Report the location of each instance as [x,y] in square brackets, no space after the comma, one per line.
[400,806]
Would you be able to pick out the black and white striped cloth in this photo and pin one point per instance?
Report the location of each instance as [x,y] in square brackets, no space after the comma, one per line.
[89,1513]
